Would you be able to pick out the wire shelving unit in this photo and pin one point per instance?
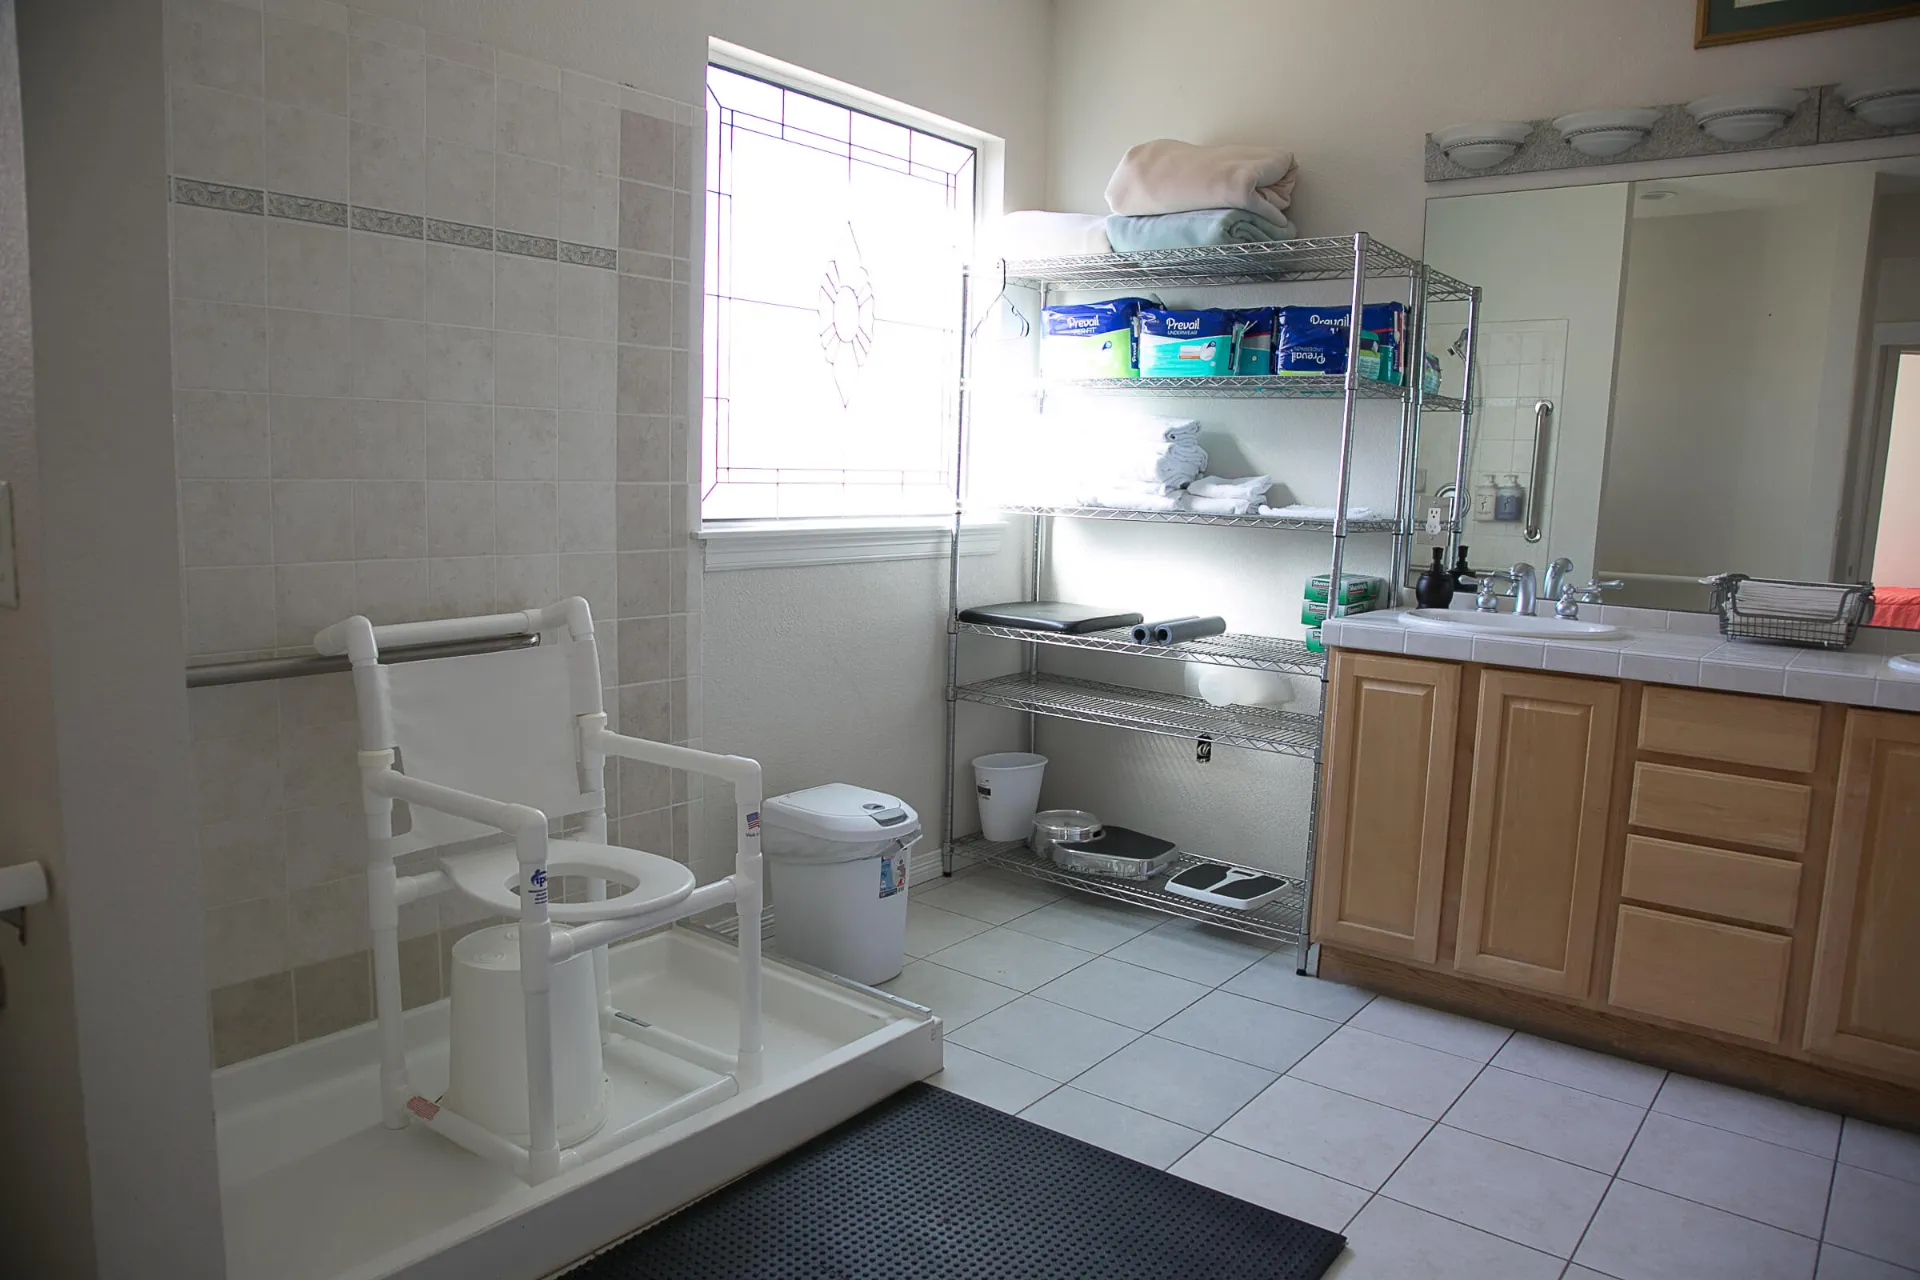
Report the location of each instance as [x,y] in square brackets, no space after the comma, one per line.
[1354,259]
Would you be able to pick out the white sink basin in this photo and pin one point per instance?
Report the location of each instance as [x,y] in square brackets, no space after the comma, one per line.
[1907,664]
[1512,625]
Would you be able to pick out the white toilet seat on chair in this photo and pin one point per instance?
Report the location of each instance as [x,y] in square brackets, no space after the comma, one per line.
[491,877]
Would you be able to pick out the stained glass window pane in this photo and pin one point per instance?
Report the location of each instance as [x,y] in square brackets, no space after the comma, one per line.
[834,244]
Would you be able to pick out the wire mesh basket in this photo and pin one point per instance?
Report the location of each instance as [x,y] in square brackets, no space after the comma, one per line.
[1816,615]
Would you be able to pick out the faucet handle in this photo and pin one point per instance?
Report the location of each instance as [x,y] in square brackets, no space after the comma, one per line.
[1604,584]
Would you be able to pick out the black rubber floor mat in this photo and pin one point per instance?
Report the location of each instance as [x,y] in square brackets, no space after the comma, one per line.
[932,1186]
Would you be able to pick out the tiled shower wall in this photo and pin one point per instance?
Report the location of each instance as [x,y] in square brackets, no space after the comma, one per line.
[431,337]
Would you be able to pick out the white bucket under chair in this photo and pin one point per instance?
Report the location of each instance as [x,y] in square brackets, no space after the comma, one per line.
[475,758]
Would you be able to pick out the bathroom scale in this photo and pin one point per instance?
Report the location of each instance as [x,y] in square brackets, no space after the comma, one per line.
[1048,615]
[1226,886]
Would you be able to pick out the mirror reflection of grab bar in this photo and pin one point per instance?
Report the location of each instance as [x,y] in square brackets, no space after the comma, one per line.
[1537,482]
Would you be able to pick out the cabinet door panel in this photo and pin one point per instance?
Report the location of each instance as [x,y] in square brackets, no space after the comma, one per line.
[1383,829]
[1536,830]
[1702,972]
[1863,1007]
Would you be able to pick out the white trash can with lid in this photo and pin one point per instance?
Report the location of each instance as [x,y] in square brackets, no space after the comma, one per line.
[838,855]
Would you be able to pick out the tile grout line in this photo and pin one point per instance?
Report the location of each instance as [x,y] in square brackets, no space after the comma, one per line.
[1615,1179]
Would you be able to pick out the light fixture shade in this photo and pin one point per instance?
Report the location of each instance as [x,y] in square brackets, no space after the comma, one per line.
[1747,115]
[1891,102]
[1607,131]
[1483,143]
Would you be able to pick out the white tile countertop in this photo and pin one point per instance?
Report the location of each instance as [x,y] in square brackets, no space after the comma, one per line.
[1661,648]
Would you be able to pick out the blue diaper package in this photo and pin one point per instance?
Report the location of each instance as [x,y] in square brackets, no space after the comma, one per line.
[1091,340]
[1187,344]
[1313,340]
[1254,352]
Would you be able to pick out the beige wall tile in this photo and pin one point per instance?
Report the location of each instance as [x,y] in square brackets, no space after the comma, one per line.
[226,522]
[459,364]
[459,285]
[527,120]
[524,293]
[390,590]
[229,610]
[218,136]
[525,372]
[589,207]
[514,67]
[646,317]
[306,266]
[526,581]
[309,597]
[645,380]
[318,765]
[306,65]
[389,359]
[251,1018]
[589,376]
[324,843]
[459,442]
[390,436]
[586,446]
[236,778]
[459,103]
[386,170]
[643,655]
[242,859]
[441,44]
[387,84]
[459,522]
[246,940]
[642,512]
[589,303]
[221,435]
[525,443]
[589,134]
[214,44]
[307,152]
[526,517]
[586,515]
[389,519]
[308,353]
[311,700]
[420,971]
[313,438]
[389,276]
[312,521]
[646,148]
[643,584]
[593,578]
[460,587]
[641,453]
[325,921]
[646,218]
[459,183]
[527,195]
[219,346]
[218,256]
[333,995]
[233,711]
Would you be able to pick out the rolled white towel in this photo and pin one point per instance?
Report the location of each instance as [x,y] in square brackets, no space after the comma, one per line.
[1254,487]
[1216,506]
[1170,176]
[1300,511]
[1136,500]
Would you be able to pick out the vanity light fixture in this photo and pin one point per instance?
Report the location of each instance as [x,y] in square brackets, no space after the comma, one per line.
[1891,102]
[1607,131]
[1747,115]
[1482,144]
[1657,193]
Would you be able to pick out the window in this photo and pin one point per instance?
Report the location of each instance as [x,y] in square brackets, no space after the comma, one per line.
[834,244]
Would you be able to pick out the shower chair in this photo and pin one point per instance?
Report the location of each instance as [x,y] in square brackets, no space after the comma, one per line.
[473,761]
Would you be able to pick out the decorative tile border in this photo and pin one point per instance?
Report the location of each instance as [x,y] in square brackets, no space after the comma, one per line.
[334,213]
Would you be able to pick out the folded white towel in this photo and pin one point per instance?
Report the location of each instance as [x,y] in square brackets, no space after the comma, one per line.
[1178,466]
[1135,500]
[1254,487]
[1168,176]
[1300,511]
[1037,233]
[1217,506]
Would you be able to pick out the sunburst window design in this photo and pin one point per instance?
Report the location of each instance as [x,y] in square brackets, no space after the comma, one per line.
[831,343]
[846,318]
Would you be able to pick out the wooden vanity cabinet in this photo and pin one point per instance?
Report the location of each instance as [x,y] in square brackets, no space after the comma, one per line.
[1383,825]
[1536,830]
[1864,1003]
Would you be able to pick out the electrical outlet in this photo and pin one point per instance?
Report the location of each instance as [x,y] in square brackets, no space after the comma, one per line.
[1434,519]
[9,563]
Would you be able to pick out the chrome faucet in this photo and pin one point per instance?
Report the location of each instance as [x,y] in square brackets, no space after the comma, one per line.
[1523,588]
[1559,570]
[1567,605]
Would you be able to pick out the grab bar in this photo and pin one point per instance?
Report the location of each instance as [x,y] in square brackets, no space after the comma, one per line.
[314,664]
[1542,417]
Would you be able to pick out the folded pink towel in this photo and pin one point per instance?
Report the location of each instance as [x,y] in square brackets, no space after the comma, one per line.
[1167,176]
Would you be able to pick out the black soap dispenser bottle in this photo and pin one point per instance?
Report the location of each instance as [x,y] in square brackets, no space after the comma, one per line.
[1434,590]
[1464,578]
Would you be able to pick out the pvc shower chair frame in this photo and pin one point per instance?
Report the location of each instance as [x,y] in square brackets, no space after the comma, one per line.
[541,945]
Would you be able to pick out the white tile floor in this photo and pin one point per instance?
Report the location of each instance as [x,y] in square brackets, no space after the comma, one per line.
[1444,1148]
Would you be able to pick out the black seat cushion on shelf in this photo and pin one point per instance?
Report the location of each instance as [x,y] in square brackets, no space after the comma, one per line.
[1048,615]
[929,1185]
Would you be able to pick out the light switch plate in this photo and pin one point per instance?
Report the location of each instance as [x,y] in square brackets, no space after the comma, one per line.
[9,564]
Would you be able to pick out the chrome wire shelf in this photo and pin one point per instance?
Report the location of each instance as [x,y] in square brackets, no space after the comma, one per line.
[1278,921]
[1263,262]
[1256,653]
[1194,517]
[1170,715]
[1254,387]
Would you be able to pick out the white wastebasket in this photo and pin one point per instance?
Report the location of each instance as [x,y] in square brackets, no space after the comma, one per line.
[1008,786]
[838,856]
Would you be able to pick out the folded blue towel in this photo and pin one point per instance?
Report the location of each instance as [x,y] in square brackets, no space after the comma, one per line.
[1131,234]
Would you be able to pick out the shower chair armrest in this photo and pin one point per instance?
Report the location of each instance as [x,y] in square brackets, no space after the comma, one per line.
[735,769]
[519,820]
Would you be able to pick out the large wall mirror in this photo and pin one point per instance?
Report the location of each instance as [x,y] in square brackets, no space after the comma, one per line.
[1726,369]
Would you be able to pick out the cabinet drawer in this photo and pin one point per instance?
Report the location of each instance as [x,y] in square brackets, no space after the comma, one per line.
[1717,976]
[1716,882]
[1768,733]
[1721,806]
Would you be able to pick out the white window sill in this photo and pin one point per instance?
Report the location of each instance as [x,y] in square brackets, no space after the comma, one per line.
[793,544]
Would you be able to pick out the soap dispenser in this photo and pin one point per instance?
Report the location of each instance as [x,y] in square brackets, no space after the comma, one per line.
[1434,590]
[1509,500]
[1464,578]
[1486,496]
